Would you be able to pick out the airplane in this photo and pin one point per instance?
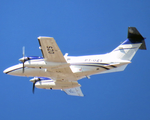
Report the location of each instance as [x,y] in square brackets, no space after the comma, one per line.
[56,71]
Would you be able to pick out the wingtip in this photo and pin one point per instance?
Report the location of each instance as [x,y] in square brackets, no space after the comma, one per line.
[43,37]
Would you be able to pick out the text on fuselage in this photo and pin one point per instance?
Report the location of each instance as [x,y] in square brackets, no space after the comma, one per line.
[93,60]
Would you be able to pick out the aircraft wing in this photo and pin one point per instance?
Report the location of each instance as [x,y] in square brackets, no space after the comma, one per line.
[50,50]
[53,54]
[74,91]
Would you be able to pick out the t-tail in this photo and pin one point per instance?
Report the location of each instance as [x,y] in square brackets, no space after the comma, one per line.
[129,47]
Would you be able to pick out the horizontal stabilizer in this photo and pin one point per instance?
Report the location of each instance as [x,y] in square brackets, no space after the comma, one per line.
[74,91]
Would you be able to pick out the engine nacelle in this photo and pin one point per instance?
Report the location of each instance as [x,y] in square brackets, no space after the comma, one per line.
[47,83]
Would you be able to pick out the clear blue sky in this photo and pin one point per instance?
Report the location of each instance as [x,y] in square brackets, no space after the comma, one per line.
[80,27]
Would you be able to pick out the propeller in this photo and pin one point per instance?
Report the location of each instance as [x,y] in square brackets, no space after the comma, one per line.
[33,88]
[23,59]
[34,80]
[23,53]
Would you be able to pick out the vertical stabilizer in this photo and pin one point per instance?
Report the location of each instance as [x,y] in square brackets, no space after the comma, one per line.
[129,47]
[135,37]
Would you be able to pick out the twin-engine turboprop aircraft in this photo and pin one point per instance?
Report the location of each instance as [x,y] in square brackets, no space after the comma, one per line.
[55,71]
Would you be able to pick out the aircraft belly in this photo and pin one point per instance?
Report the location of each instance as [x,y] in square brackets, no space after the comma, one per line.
[55,75]
[83,71]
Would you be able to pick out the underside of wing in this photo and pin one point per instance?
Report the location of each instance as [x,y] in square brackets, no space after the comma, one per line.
[50,50]
[58,67]
[74,91]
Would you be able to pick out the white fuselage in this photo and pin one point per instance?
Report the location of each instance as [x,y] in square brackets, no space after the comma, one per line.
[81,67]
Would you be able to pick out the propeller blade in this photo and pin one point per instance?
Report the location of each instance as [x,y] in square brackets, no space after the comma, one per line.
[23,51]
[23,68]
[33,87]
[23,54]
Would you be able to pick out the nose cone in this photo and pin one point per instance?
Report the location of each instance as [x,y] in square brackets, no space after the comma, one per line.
[6,71]
[14,70]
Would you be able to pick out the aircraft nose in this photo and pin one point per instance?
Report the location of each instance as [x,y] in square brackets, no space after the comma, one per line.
[13,70]
[6,71]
